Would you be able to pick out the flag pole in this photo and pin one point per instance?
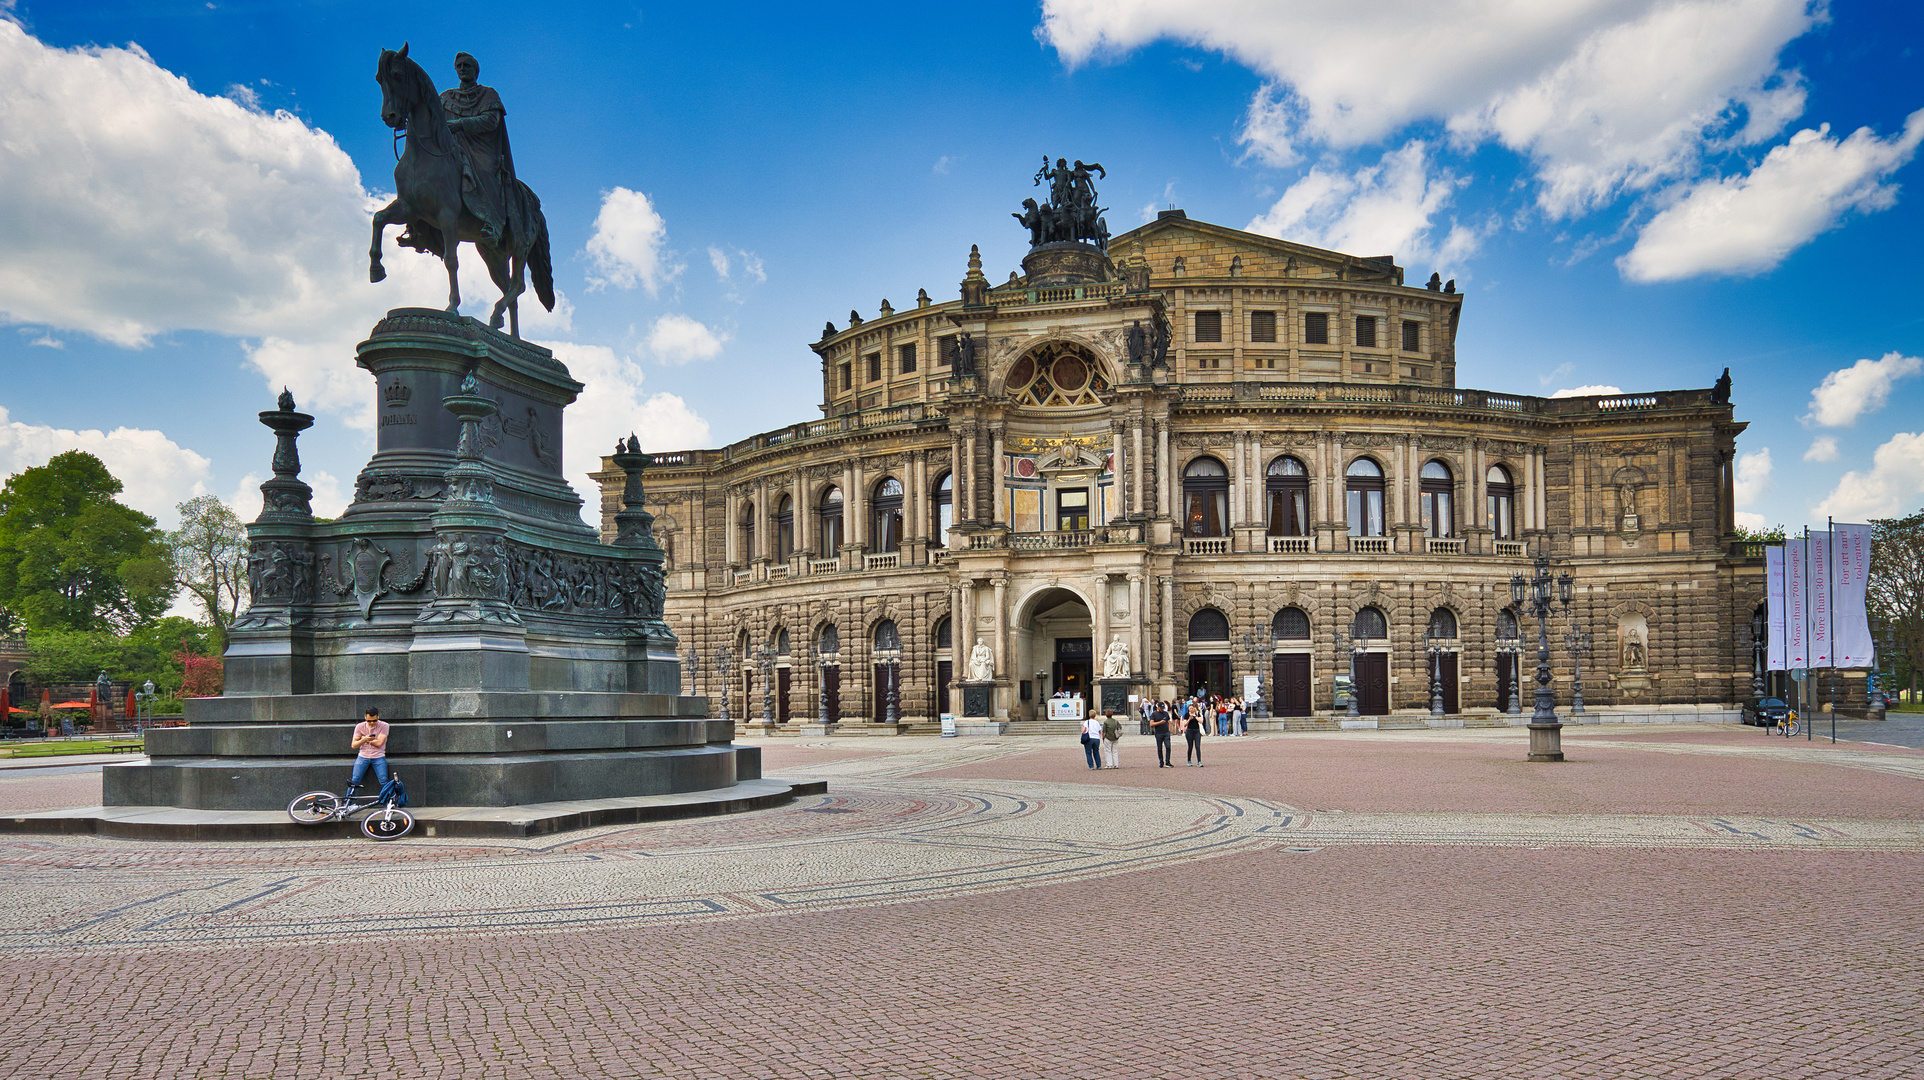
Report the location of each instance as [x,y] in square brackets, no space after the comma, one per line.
[1830,612]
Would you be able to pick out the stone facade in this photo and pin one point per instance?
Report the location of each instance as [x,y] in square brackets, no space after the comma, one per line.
[1017,469]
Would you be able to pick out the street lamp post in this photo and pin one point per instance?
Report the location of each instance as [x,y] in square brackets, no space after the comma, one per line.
[892,663]
[1433,646]
[724,659]
[1346,652]
[765,659]
[1254,645]
[1756,661]
[144,702]
[824,658]
[692,668]
[1546,732]
[1579,644]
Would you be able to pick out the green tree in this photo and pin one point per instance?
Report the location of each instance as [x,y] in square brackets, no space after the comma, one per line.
[73,557]
[1895,594]
[151,652]
[1772,535]
[210,557]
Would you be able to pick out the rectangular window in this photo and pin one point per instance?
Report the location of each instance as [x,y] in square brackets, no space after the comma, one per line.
[874,363]
[1316,328]
[1262,326]
[944,348]
[846,384]
[1209,326]
[907,353]
[1366,331]
[1072,510]
[1412,336]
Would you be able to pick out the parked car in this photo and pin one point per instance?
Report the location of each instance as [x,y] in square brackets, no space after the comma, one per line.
[1765,712]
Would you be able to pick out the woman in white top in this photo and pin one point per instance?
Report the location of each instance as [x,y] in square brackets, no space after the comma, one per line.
[1092,741]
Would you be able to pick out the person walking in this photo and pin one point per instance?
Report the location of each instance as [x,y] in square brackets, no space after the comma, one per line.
[1192,734]
[1159,722]
[1111,735]
[1091,740]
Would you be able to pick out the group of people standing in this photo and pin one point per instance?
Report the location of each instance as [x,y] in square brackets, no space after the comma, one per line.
[1190,718]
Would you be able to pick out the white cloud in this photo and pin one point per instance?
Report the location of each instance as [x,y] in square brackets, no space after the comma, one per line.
[627,246]
[1601,94]
[157,473]
[1862,388]
[48,341]
[611,406]
[1593,390]
[1891,487]
[718,259]
[942,165]
[1749,224]
[678,339]
[1822,448]
[1386,208]
[1753,476]
[1747,520]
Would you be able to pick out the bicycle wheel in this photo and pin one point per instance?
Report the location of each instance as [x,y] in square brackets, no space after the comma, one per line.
[387,823]
[314,807]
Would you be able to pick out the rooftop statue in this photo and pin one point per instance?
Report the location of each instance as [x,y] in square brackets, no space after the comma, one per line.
[1071,214]
[455,182]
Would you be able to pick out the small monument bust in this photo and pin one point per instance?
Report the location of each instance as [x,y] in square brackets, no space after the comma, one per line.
[1115,659]
[981,663]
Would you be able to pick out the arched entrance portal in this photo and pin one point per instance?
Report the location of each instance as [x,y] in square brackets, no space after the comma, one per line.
[1054,648]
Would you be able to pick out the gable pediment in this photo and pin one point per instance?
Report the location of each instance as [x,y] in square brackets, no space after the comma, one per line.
[1213,251]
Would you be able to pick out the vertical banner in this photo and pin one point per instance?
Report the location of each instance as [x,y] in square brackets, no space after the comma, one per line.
[1851,563]
[1774,576]
[1817,602]
[1796,617]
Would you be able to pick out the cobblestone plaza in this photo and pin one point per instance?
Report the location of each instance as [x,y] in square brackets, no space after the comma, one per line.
[1674,901]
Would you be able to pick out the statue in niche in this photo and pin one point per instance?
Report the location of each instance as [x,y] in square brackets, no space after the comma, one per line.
[1115,659]
[981,663]
[1633,651]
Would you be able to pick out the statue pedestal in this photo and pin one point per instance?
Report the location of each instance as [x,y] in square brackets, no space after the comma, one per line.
[978,699]
[1066,262]
[1114,693]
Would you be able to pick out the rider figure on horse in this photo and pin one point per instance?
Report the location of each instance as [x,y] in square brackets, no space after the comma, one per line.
[479,121]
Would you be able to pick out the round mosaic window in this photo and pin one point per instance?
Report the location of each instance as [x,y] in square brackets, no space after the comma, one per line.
[1058,373]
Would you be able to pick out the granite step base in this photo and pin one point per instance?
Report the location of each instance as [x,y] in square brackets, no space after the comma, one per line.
[534,819]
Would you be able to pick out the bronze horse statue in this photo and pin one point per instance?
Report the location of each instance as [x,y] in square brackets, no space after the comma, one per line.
[428,201]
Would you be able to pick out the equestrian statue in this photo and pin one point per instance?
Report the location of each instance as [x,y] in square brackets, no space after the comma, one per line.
[455,182]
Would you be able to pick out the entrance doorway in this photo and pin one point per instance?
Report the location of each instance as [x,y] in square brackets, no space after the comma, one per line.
[1289,684]
[1505,680]
[781,695]
[1074,667]
[1052,642]
[886,679]
[1373,684]
[832,690]
[1446,678]
[1209,672]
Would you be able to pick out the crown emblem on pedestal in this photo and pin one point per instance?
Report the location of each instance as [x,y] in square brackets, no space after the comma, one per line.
[397,394]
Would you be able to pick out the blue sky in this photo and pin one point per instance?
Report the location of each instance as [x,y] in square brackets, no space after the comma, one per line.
[1632,193]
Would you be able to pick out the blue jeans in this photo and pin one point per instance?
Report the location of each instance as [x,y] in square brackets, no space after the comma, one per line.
[1092,748]
[361,765]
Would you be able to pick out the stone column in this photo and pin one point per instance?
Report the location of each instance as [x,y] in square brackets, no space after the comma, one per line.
[999,514]
[1476,515]
[1538,498]
[1137,661]
[963,639]
[1169,627]
[804,519]
[1238,494]
[921,512]
[855,504]
[1117,471]
[1001,624]
[764,522]
[968,466]
[1162,470]
[731,534]
[1258,485]
[1135,486]
[959,484]
[1099,617]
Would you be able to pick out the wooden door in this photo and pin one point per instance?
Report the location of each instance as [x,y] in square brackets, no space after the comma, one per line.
[1446,675]
[1372,684]
[880,708]
[1505,680]
[832,689]
[1289,685]
[781,695]
[944,674]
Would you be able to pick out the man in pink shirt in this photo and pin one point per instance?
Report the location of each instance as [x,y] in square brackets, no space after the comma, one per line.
[370,739]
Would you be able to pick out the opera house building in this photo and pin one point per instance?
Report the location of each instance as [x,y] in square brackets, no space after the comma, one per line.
[1199,457]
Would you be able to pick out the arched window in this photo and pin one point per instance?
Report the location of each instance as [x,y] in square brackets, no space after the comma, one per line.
[944,634]
[885,531]
[1502,503]
[1208,625]
[781,642]
[1506,625]
[1369,624]
[944,508]
[1058,373]
[831,514]
[886,636]
[748,532]
[784,529]
[1290,624]
[1287,485]
[827,640]
[1438,499]
[1364,483]
[1205,497]
[1442,623]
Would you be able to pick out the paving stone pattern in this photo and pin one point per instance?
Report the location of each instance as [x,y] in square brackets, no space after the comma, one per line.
[989,908]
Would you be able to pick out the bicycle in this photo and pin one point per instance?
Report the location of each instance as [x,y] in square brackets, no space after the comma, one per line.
[390,822]
[1789,724]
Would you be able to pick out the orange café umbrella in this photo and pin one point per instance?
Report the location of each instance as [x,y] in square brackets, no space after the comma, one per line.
[74,705]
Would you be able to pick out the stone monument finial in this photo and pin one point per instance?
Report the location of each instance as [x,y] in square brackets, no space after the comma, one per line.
[285,497]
